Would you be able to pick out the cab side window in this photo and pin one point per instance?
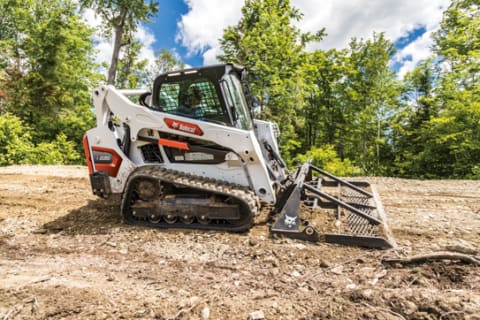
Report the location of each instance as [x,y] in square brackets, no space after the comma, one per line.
[194,99]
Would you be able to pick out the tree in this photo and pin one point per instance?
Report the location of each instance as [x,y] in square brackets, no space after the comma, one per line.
[273,50]
[457,43]
[47,67]
[354,95]
[131,71]
[411,122]
[325,113]
[456,130]
[123,16]
[438,134]
[165,61]
[370,97]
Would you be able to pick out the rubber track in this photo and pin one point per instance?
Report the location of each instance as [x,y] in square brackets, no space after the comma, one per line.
[241,193]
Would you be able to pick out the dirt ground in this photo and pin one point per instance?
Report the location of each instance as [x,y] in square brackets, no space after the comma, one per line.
[65,254]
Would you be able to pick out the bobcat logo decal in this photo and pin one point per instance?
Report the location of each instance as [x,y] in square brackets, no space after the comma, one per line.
[290,221]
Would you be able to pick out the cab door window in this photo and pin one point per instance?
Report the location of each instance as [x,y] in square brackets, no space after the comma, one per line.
[194,99]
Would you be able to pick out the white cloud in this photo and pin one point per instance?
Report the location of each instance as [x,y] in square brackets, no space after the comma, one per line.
[359,18]
[104,48]
[146,39]
[210,56]
[344,19]
[90,18]
[413,53]
[202,26]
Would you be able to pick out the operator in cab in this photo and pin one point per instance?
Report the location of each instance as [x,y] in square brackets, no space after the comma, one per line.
[191,106]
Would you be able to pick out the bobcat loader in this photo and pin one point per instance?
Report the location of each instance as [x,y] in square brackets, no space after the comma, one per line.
[190,155]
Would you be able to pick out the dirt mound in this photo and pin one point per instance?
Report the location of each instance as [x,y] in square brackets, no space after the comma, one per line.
[65,254]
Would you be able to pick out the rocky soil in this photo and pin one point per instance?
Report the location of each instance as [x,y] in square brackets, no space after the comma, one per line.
[65,254]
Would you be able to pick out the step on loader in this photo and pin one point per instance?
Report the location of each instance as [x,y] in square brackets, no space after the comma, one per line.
[190,154]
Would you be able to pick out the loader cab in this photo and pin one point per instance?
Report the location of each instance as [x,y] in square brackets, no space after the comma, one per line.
[213,94]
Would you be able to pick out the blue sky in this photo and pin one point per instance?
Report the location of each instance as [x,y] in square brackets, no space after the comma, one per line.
[403,42]
[164,26]
[191,28]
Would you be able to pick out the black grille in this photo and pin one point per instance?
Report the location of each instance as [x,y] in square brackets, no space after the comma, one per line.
[151,153]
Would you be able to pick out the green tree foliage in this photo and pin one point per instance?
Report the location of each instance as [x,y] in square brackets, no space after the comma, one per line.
[131,70]
[410,123]
[457,128]
[273,50]
[353,97]
[438,134]
[47,66]
[341,98]
[371,94]
[16,146]
[457,43]
[123,17]
[324,112]
[164,62]
[327,158]
[15,140]
[58,151]
[344,109]
[134,73]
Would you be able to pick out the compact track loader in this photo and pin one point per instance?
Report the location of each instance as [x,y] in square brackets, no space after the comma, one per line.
[190,155]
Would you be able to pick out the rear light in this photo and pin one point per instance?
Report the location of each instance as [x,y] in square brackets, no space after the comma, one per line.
[102,157]
[107,160]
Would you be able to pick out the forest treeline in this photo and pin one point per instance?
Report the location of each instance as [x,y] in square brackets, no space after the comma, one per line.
[346,109]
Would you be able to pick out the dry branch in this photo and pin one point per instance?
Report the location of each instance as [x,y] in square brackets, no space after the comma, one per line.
[462,249]
[436,256]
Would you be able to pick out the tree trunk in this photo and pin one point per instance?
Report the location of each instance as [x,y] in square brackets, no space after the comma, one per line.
[119,29]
